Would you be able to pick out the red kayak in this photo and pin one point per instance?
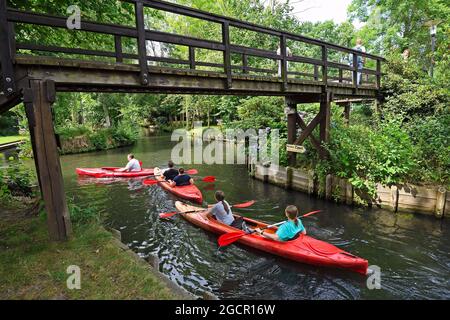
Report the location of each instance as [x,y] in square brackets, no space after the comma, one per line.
[111,173]
[304,249]
[190,192]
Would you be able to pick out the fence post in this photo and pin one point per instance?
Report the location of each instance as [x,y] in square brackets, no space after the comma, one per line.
[192,58]
[325,65]
[5,52]
[142,48]
[284,71]
[227,52]
[440,202]
[118,48]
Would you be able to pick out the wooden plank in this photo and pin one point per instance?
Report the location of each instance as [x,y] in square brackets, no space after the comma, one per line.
[142,48]
[292,131]
[49,168]
[192,58]
[227,53]
[310,128]
[118,48]
[6,61]
[325,110]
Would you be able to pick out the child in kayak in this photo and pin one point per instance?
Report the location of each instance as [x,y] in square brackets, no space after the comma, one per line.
[182,179]
[222,211]
[170,173]
[288,230]
[133,165]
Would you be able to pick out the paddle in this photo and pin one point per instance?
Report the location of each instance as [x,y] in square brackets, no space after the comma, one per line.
[171,214]
[150,182]
[229,238]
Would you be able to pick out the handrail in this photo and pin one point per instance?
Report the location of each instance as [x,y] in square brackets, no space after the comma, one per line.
[322,66]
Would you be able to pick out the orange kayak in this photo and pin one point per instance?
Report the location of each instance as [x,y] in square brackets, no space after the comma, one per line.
[190,192]
[304,249]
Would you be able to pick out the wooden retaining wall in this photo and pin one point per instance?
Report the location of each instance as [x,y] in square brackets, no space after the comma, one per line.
[402,198]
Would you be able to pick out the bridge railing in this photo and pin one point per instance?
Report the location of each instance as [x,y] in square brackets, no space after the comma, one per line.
[323,69]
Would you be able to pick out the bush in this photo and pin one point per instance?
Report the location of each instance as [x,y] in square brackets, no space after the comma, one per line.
[16,181]
[431,136]
[366,156]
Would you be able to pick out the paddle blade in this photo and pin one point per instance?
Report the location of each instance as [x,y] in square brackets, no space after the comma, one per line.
[209,179]
[167,214]
[229,238]
[244,205]
[150,182]
[192,171]
[310,214]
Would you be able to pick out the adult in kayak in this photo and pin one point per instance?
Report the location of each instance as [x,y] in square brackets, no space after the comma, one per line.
[288,230]
[171,173]
[181,179]
[133,165]
[222,211]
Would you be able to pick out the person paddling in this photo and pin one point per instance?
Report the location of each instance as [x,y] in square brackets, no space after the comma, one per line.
[288,230]
[222,211]
[182,179]
[133,165]
[171,173]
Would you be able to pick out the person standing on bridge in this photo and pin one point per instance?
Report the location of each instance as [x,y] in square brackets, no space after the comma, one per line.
[360,61]
[133,165]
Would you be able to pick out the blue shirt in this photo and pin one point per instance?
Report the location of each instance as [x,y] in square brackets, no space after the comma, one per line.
[289,230]
[182,180]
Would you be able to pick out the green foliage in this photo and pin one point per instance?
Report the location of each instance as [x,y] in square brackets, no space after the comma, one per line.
[366,156]
[409,91]
[260,112]
[431,137]
[83,216]
[16,180]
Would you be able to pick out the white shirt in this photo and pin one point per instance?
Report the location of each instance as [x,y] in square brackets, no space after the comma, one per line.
[133,165]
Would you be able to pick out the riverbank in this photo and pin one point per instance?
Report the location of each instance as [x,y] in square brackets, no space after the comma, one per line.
[32,267]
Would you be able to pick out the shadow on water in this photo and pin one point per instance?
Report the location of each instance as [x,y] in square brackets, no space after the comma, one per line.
[412,251]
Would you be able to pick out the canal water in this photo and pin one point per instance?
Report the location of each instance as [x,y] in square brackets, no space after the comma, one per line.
[412,251]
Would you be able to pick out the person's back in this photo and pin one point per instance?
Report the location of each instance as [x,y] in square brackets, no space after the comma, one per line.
[221,214]
[182,179]
[288,230]
[170,173]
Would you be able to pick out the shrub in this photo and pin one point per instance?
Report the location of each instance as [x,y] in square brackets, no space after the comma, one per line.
[366,156]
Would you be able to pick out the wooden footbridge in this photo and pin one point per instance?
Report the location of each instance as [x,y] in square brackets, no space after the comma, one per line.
[32,73]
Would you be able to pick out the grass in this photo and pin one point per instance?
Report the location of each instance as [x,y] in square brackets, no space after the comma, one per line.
[32,267]
[9,139]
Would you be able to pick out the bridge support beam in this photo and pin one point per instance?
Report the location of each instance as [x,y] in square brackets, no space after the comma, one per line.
[292,130]
[38,99]
[325,110]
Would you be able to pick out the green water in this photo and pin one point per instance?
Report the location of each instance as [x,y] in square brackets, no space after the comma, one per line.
[411,250]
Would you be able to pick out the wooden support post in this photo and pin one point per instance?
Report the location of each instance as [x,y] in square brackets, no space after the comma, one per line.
[289,177]
[441,198]
[244,63]
[378,74]
[284,71]
[142,47]
[6,49]
[349,193]
[118,48]
[347,108]
[39,99]
[227,52]
[328,186]
[325,65]
[192,58]
[292,131]
[325,110]
[394,198]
